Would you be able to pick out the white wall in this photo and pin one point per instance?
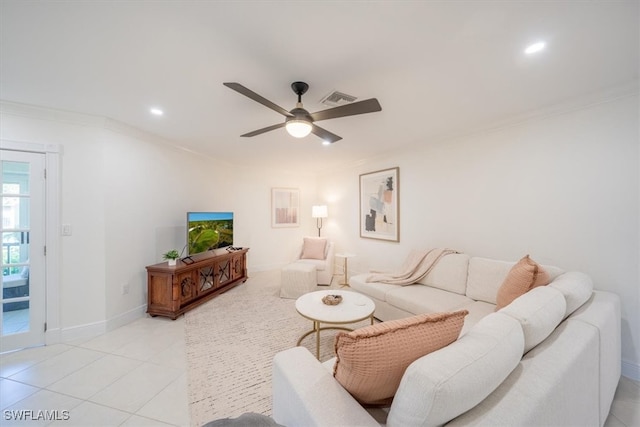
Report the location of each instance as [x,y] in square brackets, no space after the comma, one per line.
[148,187]
[270,247]
[564,189]
[126,194]
[82,272]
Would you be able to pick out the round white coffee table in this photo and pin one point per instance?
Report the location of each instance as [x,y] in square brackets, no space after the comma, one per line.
[354,307]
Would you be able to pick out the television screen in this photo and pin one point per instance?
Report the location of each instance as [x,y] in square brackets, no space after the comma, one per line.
[209,230]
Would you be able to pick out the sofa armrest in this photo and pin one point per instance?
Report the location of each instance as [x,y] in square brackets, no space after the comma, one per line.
[602,311]
[306,394]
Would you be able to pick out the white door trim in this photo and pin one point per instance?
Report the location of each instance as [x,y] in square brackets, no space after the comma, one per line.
[52,234]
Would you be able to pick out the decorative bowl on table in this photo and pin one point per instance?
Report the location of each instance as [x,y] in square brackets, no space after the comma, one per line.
[332,299]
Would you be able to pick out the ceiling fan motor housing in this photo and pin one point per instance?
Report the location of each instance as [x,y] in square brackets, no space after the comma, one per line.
[299,88]
[300,114]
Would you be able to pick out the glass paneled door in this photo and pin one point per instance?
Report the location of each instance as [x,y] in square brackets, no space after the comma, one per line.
[22,323]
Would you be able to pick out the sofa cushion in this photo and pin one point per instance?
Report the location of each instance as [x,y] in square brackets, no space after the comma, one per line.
[539,311]
[449,273]
[14,281]
[486,277]
[446,383]
[477,311]
[371,360]
[420,299]
[376,290]
[576,287]
[314,248]
[319,264]
[525,275]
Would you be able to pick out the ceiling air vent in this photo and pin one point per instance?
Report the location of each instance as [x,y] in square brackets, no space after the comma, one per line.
[336,99]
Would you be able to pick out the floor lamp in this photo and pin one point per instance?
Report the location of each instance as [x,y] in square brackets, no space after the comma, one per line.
[319,212]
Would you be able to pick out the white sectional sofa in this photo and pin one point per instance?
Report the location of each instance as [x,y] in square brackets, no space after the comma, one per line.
[550,358]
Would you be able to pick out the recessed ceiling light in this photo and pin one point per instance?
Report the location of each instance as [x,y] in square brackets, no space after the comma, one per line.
[325,142]
[156,112]
[536,47]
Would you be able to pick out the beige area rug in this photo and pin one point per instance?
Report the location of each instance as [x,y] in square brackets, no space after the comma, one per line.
[230,344]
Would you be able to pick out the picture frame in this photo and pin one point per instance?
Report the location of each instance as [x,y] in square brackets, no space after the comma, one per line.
[379,205]
[285,207]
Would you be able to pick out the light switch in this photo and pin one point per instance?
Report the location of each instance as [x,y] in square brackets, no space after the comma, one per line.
[66,229]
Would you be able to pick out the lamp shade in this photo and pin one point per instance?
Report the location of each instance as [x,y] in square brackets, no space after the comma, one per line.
[298,128]
[319,211]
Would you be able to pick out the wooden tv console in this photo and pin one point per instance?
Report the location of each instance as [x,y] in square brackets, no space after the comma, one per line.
[173,290]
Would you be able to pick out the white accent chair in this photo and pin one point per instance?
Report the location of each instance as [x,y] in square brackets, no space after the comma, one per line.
[324,267]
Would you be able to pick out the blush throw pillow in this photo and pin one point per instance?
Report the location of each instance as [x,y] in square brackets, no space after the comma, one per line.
[525,275]
[314,248]
[371,360]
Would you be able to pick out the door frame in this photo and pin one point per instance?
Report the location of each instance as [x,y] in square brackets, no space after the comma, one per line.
[52,231]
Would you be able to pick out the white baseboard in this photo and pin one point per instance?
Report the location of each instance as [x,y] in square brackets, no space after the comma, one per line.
[53,336]
[126,317]
[631,370]
[81,332]
[94,329]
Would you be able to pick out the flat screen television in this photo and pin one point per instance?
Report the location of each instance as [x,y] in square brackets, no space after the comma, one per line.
[209,230]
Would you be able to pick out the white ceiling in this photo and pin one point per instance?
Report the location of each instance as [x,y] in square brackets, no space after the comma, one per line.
[439,69]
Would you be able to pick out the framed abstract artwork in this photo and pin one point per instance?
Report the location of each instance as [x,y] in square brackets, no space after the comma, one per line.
[285,204]
[379,205]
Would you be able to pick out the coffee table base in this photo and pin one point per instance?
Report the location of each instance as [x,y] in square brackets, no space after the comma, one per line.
[317,329]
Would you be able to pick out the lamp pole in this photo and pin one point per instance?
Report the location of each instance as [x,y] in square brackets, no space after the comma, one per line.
[319,212]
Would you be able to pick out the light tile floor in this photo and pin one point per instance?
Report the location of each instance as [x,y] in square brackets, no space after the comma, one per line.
[132,376]
[136,376]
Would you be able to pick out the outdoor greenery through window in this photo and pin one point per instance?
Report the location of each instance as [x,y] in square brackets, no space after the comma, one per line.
[11,241]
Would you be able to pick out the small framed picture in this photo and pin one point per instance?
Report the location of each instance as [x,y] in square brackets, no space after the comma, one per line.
[285,207]
[379,205]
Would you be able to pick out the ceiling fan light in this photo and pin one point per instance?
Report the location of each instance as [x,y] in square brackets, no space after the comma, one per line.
[298,128]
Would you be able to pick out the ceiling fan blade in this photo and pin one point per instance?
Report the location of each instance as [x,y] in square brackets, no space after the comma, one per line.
[263,130]
[361,107]
[325,134]
[251,94]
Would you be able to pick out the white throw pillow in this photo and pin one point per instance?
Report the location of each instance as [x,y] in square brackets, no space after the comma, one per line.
[576,287]
[539,311]
[486,277]
[449,273]
[446,383]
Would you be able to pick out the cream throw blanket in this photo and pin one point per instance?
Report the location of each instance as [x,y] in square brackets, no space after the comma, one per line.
[417,265]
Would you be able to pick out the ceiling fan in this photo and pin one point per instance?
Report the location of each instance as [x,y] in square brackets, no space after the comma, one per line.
[299,122]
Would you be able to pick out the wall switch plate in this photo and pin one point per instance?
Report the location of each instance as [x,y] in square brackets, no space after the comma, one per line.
[66,229]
